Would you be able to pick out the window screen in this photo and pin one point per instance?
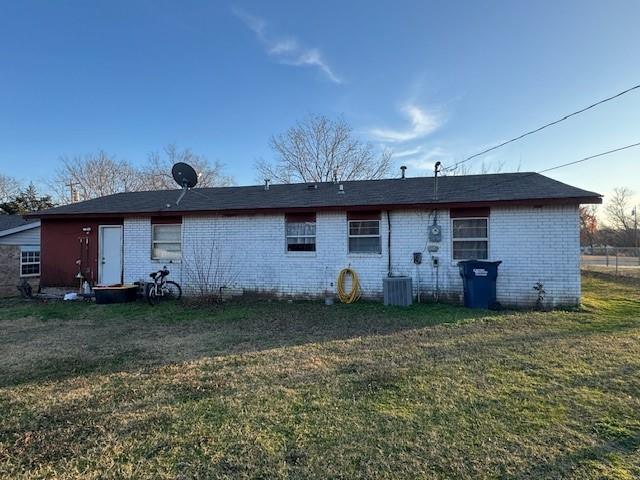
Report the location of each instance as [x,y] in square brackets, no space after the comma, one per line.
[470,238]
[166,242]
[364,234]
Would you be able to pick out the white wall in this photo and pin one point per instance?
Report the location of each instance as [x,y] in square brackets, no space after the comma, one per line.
[533,243]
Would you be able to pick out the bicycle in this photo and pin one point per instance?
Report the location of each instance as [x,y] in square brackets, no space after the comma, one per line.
[161,288]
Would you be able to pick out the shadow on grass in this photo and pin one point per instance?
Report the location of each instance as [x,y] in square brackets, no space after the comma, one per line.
[60,368]
[57,341]
[50,341]
[602,453]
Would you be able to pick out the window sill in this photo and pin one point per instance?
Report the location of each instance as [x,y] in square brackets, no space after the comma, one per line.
[364,255]
[301,254]
[166,261]
[30,275]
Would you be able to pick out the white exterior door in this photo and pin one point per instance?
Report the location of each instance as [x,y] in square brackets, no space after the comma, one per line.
[110,255]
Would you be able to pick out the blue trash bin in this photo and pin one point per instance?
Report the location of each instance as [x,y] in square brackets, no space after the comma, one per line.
[479,282]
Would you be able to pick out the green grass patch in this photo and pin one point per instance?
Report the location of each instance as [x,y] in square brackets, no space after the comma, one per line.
[303,390]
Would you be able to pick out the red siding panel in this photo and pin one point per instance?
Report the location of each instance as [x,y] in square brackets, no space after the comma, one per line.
[64,243]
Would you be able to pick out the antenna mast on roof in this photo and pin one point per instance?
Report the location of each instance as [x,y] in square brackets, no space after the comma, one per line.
[436,171]
[185,176]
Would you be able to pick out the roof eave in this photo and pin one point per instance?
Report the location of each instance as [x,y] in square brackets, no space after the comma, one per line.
[267,210]
[19,228]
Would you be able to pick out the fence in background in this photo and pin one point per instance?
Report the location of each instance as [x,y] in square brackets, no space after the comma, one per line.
[614,260]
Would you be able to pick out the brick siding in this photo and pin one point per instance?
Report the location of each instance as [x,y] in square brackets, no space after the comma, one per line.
[534,244]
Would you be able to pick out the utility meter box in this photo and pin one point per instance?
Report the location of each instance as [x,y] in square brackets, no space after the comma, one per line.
[435,233]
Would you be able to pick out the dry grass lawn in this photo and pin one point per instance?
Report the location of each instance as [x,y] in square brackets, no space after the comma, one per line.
[301,390]
[623,271]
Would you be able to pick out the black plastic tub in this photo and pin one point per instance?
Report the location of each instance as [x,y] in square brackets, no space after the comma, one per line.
[116,294]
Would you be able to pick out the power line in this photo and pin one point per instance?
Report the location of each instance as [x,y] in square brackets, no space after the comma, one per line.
[525,175]
[555,122]
[584,159]
[590,157]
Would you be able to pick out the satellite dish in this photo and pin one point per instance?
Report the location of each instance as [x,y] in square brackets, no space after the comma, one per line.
[184,175]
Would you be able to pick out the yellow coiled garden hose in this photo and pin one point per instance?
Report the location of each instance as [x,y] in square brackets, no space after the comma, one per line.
[354,294]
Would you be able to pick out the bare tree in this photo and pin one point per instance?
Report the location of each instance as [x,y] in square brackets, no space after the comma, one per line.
[156,175]
[319,149]
[485,168]
[93,175]
[98,174]
[209,271]
[618,208]
[9,188]
[618,215]
[457,170]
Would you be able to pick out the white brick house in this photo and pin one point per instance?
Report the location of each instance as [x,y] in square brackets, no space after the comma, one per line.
[296,240]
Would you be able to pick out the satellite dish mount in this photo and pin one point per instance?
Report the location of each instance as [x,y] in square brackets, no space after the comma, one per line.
[185,176]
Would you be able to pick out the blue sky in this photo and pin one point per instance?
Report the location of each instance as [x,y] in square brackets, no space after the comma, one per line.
[430,80]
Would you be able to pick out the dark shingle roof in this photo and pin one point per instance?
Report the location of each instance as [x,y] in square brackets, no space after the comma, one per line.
[7,222]
[509,187]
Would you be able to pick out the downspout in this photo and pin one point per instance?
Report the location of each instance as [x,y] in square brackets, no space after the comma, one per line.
[389,272]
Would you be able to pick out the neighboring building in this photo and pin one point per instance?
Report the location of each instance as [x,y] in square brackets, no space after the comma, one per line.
[19,253]
[294,239]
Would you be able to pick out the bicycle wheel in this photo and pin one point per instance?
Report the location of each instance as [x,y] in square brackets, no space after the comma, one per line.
[172,291]
[152,295]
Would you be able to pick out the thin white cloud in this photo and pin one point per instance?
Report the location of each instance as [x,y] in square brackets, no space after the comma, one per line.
[427,160]
[411,152]
[286,50]
[255,24]
[422,124]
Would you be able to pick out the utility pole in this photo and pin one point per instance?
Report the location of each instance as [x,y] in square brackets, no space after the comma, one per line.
[635,230]
[73,193]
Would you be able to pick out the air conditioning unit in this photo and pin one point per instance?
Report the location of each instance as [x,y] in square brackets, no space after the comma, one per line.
[397,291]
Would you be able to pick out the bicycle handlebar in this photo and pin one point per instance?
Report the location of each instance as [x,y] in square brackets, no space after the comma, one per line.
[163,272]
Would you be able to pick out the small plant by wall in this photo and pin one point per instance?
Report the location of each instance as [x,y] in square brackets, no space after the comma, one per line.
[210,273]
[539,288]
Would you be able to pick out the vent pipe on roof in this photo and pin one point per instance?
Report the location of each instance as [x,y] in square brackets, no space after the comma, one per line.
[403,168]
[267,181]
[436,170]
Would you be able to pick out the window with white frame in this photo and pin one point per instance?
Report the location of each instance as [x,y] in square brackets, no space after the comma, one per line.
[470,238]
[30,261]
[300,232]
[364,232]
[166,241]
